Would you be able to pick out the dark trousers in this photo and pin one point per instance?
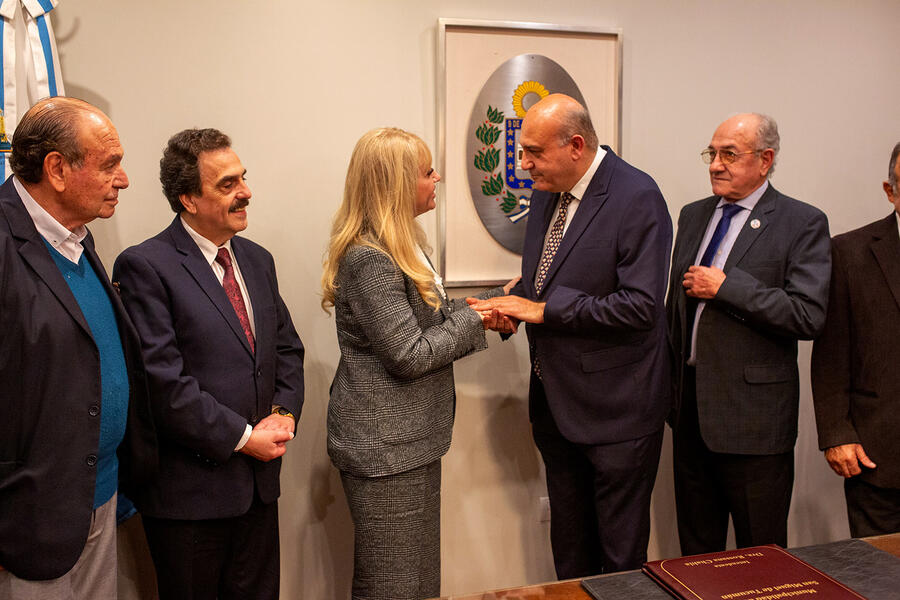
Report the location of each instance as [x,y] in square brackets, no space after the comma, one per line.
[224,559]
[599,499]
[710,486]
[871,510]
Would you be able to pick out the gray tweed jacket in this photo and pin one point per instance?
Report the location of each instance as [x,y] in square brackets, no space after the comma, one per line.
[392,398]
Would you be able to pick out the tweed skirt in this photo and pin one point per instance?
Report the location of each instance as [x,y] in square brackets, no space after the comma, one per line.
[397,534]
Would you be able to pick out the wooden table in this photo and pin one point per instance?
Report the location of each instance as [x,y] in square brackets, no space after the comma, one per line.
[572,590]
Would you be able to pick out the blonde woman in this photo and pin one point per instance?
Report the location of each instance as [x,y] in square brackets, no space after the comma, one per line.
[392,400]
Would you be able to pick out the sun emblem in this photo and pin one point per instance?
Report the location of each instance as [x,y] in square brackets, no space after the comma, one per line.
[527,87]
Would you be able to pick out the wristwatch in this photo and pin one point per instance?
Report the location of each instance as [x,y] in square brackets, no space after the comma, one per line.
[280,410]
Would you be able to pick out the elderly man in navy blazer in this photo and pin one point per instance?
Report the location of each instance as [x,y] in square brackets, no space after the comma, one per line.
[74,414]
[750,275]
[592,292]
[225,368]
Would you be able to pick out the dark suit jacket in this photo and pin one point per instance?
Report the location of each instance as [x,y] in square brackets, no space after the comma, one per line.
[602,346]
[775,292]
[205,383]
[856,360]
[49,396]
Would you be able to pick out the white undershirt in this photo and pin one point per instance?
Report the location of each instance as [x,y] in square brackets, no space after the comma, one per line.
[67,243]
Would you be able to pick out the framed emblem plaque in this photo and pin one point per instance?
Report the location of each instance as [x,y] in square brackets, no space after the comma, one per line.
[489,74]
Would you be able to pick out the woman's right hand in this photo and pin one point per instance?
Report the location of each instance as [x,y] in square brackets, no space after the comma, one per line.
[510,285]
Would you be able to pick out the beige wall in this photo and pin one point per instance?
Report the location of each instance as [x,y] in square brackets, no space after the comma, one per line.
[296,83]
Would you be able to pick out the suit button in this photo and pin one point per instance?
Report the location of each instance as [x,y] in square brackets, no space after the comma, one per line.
[94,410]
[259,372]
[91,460]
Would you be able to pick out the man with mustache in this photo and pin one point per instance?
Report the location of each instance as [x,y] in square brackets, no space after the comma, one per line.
[225,369]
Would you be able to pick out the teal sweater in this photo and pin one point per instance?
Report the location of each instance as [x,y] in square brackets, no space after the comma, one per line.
[98,312]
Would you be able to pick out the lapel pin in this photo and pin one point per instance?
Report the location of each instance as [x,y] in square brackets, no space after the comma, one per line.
[755,223]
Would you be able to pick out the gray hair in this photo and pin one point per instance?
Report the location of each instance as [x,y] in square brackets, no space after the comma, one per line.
[577,121]
[51,125]
[767,137]
[892,173]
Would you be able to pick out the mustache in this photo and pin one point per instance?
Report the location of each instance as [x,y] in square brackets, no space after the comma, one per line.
[239,204]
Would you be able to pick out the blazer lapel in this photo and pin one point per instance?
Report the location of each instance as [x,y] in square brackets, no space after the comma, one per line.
[200,270]
[594,198]
[441,293]
[762,213]
[886,249]
[694,229]
[35,253]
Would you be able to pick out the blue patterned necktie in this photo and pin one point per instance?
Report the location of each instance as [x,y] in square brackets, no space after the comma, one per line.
[728,211]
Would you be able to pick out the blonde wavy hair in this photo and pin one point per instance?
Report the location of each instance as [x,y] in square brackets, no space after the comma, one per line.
[378,209]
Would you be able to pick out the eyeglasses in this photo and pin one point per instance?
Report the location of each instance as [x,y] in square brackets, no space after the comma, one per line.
[726,156]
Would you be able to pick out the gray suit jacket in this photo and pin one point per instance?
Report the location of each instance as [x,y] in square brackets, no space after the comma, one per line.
[393,399]
[855,379]
[775,292]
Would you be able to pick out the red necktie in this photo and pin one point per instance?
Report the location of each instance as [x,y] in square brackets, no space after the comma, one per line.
[233,291]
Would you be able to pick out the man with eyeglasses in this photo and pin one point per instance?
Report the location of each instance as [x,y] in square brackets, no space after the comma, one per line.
[855,380]
[749,278]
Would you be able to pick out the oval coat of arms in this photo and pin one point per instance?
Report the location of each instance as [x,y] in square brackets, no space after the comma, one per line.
[500,190]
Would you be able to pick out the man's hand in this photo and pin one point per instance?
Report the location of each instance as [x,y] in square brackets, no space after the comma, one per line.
[703,282]
[276,422]
[846,458]
[512,306]
[266,444]
[495,320]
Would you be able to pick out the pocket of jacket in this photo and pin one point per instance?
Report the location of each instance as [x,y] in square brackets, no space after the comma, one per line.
[602,360]
[768,373]
[7,467]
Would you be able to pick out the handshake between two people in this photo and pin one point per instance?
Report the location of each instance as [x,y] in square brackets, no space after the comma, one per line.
[504,313]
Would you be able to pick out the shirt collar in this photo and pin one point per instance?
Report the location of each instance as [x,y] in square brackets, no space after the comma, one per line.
[750,201]
[580,188]
[207,248]
[51,229]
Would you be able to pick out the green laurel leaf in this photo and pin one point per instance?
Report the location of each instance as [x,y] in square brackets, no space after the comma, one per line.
[487,160]
[494,115]
[493,186]
[488,134]
[509,203]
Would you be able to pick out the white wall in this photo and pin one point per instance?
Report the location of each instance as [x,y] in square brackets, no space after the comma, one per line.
[296,83]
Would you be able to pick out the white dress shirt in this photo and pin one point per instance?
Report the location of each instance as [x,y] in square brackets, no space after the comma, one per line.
[67,243]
